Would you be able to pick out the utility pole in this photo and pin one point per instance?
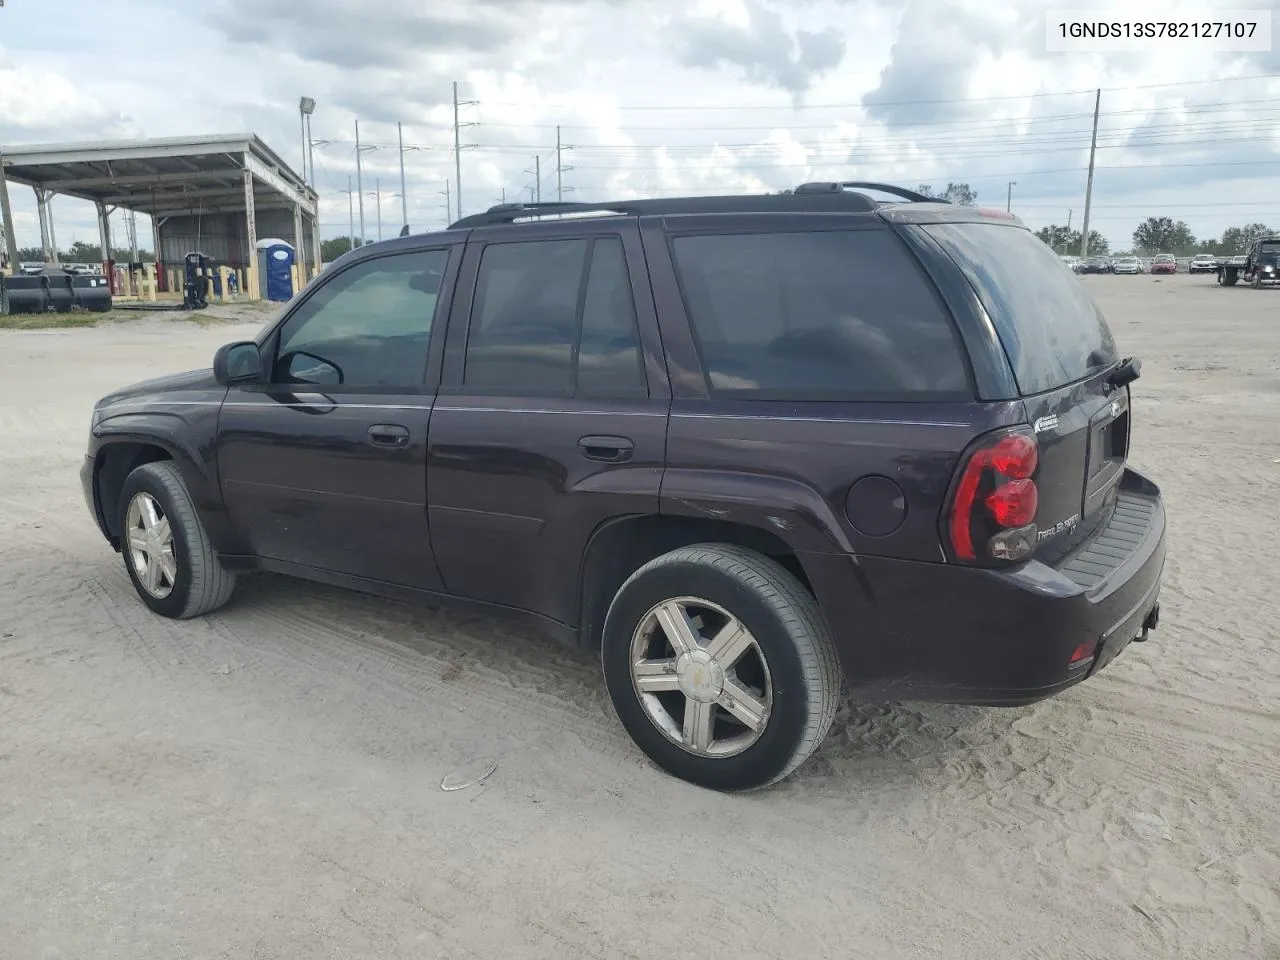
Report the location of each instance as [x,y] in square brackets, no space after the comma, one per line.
[1008,203]
[404,196]
[1088,190]
[359,183]
[535,192]
[377,193]
[559,169]
[448,204]
[457,151]
[351,214]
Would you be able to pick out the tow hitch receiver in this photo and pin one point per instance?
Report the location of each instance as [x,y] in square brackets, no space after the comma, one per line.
[1149,624]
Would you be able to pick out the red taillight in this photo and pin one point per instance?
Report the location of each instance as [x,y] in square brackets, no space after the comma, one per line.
[1015,456]
[996,492]
[1013,504]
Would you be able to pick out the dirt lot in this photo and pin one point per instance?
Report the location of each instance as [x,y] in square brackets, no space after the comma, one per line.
[266,782]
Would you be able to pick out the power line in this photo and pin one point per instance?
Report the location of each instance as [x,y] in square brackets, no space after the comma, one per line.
[977,122]
[1128,136]
[967,121]
[906,103]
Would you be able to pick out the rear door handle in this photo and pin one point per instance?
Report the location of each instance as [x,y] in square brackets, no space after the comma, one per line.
[388,435]
[607,449]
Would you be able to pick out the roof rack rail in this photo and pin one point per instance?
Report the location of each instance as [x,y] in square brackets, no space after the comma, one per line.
[509,212]
[833,199]
[842,185]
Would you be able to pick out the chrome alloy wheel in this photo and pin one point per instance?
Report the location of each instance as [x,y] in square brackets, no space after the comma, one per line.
[149,539]
[701,677]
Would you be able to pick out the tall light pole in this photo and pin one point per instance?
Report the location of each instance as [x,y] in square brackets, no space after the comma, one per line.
[1008,203]
[377,195]
[307,106]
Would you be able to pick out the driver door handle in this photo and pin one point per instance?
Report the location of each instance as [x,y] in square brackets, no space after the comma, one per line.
[388,435]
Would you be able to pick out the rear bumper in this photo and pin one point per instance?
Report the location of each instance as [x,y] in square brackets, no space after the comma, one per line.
[933,631]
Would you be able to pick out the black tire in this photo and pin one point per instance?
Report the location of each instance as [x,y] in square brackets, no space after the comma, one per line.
[787,625]
[1256,283]
[201,583]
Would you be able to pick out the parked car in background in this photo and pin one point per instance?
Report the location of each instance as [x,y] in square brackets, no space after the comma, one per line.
[1203,263]
[1164,263]
[1096,265]
[1126,265]
[1073,263]
[648,428]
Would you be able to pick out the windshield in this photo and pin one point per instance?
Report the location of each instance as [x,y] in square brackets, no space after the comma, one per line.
[1052,331]
[1271,246]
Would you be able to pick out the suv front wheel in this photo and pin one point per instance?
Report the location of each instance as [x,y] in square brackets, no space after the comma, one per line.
[166,551]
[720,666]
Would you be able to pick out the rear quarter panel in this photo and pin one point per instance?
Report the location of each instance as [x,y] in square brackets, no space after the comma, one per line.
[788,466]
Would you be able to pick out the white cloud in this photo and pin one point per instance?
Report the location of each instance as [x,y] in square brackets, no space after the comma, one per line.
[663,97]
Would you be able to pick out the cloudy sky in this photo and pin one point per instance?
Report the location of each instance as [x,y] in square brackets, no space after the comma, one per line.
[659,97]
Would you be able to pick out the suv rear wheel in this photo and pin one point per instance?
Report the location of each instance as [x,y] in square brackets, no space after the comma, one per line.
[166,551]
[720,666]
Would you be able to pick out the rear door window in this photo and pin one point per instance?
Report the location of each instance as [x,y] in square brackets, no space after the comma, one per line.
[555,317]
[842,314]
[1052,331]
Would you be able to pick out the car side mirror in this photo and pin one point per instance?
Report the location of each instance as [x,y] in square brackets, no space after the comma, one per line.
[237,363]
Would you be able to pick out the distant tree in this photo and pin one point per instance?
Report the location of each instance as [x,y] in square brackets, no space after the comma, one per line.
[1064,240]
[82,252]
[1058,237]
[332,249]
[955,193]
[1237,239]
[1097,243]
[30,255]
[1163,235]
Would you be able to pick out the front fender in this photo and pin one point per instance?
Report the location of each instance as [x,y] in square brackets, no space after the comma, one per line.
[188,441]
[789,509]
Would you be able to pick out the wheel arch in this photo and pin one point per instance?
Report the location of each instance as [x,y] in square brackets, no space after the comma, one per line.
[621,545]
[120,449]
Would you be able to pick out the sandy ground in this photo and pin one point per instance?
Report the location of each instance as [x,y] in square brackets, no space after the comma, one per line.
[266,782]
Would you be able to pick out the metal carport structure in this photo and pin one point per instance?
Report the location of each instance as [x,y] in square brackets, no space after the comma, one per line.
[221,192]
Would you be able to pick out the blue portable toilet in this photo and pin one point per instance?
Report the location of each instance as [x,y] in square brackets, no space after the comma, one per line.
[275,277]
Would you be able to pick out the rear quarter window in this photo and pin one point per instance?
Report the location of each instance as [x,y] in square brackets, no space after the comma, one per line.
[1051,329]
[818,315]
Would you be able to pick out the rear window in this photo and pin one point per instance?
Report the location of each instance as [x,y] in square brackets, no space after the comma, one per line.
[817,315]
[1052,331]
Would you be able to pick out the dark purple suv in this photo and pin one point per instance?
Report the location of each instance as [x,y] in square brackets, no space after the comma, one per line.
[740,445]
